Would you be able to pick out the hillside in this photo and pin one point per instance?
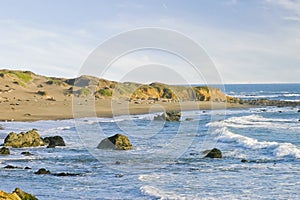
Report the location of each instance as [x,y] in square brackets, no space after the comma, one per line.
[26,95]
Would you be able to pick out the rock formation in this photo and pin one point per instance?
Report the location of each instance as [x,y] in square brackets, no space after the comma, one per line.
[117,142]
[214,153]
[54,141]
[28,139]
[18,194]
[4,151]
[170,116]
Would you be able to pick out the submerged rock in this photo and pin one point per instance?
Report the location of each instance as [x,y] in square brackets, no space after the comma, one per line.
[42,171]
[66,174]
[117,142]
[4,151]
[28,139]
[169,116]
[54,141]
[26,153]
[244,161]
[214,153]
[18,194]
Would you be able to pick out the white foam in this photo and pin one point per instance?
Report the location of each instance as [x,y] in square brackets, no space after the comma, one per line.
[275,148]
[159,193]
[257,121]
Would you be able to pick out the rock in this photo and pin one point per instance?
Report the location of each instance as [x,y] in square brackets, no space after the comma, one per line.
[18,194]
[169,116]
[244,161]
[23,195]
[54,141]
[11,167]
[28,139]
[66,174]
[4,151]
[214,153]
[42,171]
[299,111]
[27,168]
[117,142]
[26,153]
[189,119]
[1,127]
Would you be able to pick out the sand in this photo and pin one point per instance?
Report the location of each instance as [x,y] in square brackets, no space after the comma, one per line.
[42,109]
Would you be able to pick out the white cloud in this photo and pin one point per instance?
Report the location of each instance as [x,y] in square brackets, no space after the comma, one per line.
[24,46]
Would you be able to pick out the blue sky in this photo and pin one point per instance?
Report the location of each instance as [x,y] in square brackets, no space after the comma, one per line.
[254,41]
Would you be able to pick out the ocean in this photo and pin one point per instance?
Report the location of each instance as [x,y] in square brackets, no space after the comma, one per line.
[167,161]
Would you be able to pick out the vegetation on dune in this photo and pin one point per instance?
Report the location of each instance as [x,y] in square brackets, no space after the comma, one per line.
[105,92]
[54,81]
[83,92]
[24,76]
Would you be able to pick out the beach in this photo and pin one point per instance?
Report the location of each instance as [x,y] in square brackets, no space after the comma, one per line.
[55,110]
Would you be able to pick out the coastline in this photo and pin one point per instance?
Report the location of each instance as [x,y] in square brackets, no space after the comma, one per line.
[80,108]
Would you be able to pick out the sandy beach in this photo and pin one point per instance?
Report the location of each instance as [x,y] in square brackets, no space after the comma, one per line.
[67,109]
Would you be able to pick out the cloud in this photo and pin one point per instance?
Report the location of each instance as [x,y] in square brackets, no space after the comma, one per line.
[26,46]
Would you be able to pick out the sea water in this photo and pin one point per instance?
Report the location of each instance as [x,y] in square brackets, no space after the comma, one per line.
[167,161]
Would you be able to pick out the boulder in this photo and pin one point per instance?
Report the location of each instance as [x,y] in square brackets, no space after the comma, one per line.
[54,141]
[42,171]
[214,153]
[28,139]
[169,116]
[4,151]
[18,194]
[117,142]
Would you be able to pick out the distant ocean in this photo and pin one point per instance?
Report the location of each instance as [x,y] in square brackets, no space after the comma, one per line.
[167,160]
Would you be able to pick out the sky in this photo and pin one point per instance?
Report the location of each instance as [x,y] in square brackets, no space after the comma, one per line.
[255,41]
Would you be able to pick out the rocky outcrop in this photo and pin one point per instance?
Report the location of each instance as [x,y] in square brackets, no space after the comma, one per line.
[18,194]
[214,153]
[116,142]
[267,102]
[171,116]
[54,141]
[28,139]
[42,171]
[4,151]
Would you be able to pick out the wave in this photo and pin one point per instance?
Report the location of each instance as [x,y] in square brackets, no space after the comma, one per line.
[256,121]
[159,193]
[276,149]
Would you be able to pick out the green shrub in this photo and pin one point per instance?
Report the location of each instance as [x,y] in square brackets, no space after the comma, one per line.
[105,92]
[25,77]
[84,91]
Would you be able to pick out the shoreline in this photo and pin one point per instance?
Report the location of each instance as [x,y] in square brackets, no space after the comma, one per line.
[80,108]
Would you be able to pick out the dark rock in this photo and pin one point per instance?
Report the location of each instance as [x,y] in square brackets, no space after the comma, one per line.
[66,174]
[169,116]
[117,142]
[28,139]
[4,151]
[244,161]
[118,163]
[27,168]
[1,127]
[54,141]
[10,167]
[42,171]
[214,153]
[188,119]
[26,153]
[299,111]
